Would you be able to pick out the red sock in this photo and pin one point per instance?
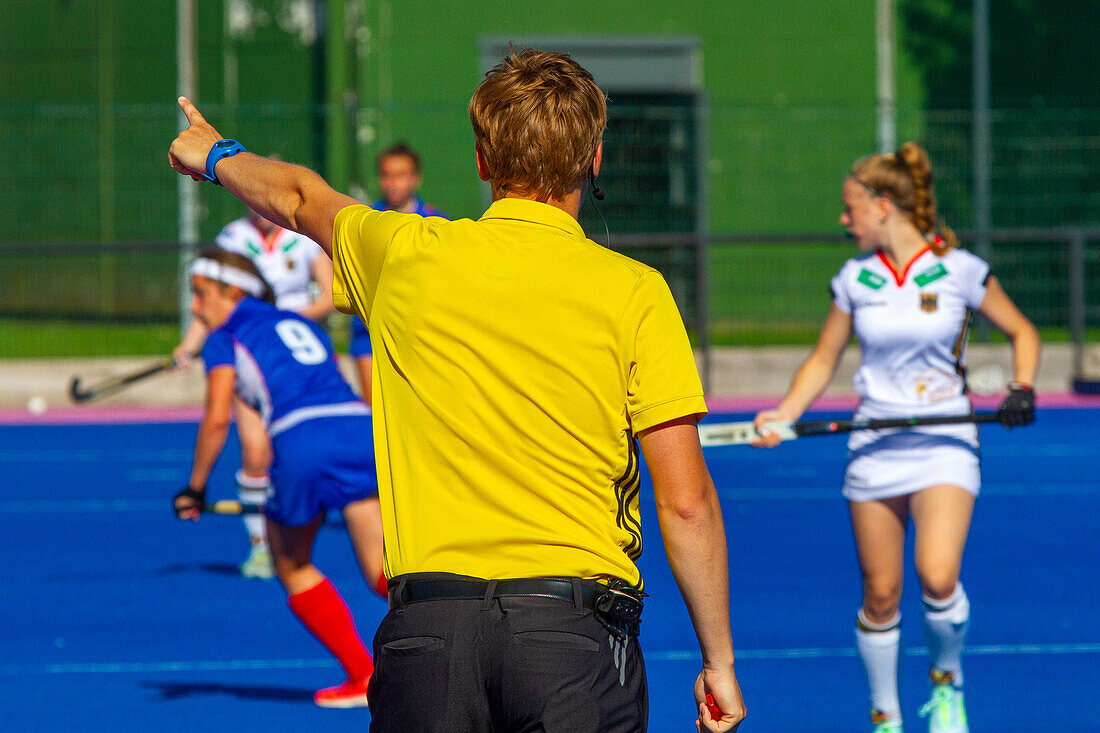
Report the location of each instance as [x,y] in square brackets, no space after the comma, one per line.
[324,613]
[380,586]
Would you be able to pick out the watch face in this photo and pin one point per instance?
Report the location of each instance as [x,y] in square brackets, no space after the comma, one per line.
[224,144]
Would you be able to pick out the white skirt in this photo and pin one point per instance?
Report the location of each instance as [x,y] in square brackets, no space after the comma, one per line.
[887,463]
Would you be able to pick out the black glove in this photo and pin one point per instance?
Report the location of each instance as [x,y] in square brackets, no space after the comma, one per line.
[188,498]
[1018,407]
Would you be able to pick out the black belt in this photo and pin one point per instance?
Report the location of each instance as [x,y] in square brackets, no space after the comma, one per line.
[415,591]
[621,605]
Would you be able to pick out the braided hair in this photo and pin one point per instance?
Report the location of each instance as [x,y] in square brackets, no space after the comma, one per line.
[905,178]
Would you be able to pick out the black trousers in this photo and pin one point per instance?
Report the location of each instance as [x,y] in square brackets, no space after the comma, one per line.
[504,664]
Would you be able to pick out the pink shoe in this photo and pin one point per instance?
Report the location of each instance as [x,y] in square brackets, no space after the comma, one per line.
[347,694]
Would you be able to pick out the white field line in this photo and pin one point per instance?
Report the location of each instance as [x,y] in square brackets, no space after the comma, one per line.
[652,656]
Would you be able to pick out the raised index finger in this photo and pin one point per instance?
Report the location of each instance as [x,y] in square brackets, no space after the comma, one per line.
[190,111]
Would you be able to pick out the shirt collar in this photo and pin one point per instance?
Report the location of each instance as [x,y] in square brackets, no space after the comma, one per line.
[534,212]
[240,311]
[416,206]
[899,278]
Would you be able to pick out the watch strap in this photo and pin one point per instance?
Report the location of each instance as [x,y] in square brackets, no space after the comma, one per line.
[224,148]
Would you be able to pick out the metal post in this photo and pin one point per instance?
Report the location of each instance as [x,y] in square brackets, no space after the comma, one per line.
[702,305]
[366,124]
[187,191]
[1077,302]
[981,139]
[385,70]
[702,241]
[105,22]
[886,91]
[231,76]
[337,169]
[374,87]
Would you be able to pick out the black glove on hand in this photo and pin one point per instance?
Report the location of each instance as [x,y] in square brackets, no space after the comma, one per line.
[1018,407]
[188,499]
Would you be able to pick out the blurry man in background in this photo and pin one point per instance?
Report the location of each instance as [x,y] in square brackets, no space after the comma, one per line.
[398,179]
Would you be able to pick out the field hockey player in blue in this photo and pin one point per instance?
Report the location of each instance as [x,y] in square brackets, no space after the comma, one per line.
[300,276]
[282,365]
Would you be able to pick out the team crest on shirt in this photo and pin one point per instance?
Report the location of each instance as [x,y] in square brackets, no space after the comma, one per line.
[928,302]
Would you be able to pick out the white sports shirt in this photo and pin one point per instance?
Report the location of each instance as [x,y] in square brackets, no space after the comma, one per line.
[911,327]
[285,259]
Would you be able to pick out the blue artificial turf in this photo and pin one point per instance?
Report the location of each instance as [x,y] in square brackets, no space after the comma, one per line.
[118,617]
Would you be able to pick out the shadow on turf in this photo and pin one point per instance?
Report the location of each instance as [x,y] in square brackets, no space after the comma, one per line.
[217,568]
[178,690]
[212,568]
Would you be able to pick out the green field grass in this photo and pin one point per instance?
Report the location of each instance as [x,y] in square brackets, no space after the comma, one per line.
[33,339]
[759,295]
[45,339]
[41,339]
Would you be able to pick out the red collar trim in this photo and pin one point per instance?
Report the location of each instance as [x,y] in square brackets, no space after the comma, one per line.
[900,279]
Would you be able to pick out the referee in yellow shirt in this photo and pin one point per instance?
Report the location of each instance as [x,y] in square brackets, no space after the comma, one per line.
[518,368]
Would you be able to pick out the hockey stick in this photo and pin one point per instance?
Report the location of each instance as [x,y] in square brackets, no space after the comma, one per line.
[233,507]
[114,384]
[740,433]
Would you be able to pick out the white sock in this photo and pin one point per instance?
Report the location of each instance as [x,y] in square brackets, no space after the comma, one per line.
[945,625]
[878,646]
[254,490]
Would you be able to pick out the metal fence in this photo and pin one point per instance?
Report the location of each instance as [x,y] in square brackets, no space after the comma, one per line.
[772,288]
[732,289]
[88,172]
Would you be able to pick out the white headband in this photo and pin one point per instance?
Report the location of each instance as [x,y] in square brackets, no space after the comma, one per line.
[213,270]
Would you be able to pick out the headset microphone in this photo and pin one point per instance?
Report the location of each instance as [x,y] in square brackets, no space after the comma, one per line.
[597,192]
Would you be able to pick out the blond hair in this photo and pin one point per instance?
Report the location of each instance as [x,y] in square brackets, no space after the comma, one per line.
[538,117]
[905,178]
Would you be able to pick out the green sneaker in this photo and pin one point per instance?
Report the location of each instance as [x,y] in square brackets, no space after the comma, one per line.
[946,711]
[258,564]
[885,723]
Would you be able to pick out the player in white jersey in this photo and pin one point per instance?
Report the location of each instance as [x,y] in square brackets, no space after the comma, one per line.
[908,300]
[301,278]
[291,264]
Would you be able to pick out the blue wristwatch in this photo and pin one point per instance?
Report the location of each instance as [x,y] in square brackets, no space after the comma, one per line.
[222,149]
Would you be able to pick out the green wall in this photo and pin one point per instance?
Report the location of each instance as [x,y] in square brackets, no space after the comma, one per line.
[87,111]
[790,87]
[87,89]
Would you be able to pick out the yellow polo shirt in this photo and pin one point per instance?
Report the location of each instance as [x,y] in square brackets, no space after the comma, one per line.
[514,362]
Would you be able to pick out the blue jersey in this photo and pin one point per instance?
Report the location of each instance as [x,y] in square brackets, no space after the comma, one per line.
[421,207]
[285,364]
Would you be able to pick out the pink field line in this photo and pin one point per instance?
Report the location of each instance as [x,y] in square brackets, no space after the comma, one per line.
[101,415]
[139,415]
